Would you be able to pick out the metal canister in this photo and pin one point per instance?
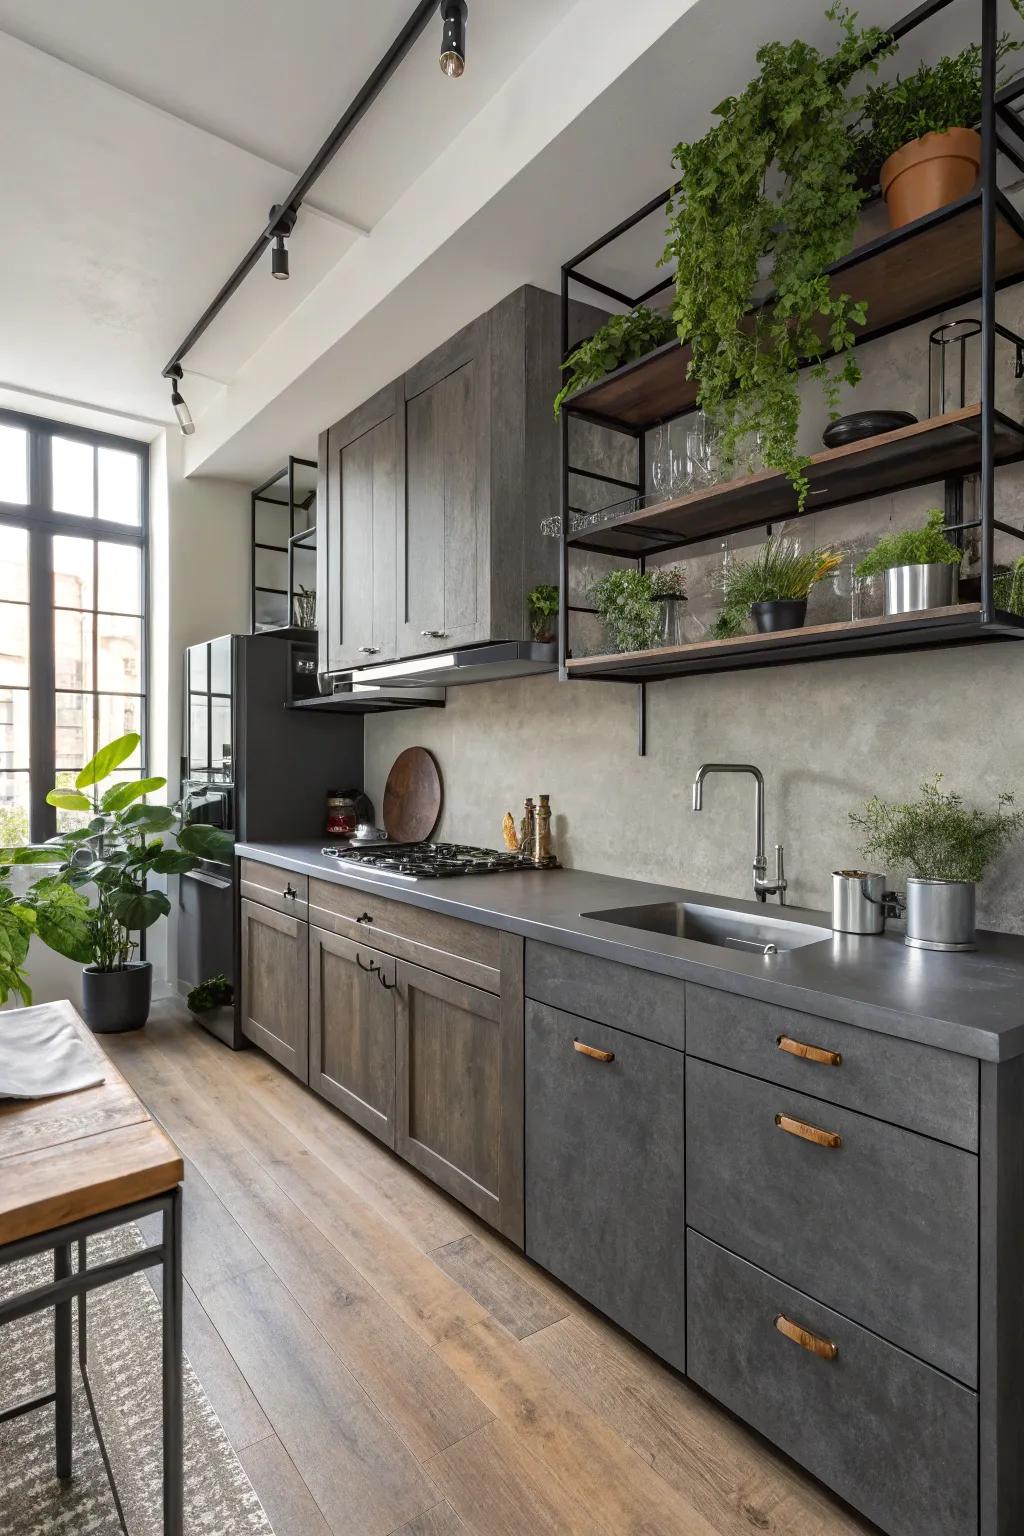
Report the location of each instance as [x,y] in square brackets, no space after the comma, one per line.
[940,914]
[859,901]
[915,588]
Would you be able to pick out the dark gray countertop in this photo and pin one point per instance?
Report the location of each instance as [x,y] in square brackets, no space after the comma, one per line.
[969,1003]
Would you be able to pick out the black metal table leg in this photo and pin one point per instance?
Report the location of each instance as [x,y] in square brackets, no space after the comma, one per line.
[62,1366]
[172,1355]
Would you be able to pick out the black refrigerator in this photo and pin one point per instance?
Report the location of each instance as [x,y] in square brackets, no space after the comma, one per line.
[260,770]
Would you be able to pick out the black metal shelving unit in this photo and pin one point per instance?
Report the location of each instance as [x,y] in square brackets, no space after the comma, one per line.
[291,493]
[968,250]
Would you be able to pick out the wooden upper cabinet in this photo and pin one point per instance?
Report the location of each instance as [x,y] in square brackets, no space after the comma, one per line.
[433,493]
[362,481]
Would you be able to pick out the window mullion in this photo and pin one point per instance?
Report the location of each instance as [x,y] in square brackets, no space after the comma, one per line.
[42,731]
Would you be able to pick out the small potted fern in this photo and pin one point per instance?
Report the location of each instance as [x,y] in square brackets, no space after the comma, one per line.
[641,608]
[921,567]
[772,589]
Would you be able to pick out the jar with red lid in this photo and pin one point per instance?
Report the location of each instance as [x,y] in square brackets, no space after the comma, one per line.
[342,812]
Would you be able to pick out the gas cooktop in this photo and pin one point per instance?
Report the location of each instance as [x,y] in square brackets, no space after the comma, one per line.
[428,861]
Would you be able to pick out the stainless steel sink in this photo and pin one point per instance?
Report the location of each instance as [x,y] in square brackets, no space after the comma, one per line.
[716,925]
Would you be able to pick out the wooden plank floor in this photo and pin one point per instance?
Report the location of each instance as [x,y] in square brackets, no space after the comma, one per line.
[385,1365]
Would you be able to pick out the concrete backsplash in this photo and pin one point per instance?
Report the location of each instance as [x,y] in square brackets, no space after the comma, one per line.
[826,735]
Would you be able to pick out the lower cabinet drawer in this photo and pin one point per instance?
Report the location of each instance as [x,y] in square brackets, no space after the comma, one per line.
[878,1222]
[604,1171]
[894,1437]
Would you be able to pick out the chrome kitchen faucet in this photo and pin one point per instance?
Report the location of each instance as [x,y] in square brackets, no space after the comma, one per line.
[763,887]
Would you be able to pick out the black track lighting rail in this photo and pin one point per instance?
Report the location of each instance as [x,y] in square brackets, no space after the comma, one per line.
[282,212]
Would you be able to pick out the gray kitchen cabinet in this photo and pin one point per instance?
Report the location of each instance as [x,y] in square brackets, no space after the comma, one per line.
[362,479]
[604,1171]
[893,1436]
[460,1092]
[275,1011]
[352,1030]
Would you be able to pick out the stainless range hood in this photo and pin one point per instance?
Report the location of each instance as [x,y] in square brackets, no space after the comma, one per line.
[469,664]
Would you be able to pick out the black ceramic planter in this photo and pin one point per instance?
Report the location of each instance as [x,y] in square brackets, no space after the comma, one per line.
[785,613]
[113,1001]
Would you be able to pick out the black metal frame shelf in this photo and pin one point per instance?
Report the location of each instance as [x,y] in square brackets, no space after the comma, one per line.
[966,251]
[283,480]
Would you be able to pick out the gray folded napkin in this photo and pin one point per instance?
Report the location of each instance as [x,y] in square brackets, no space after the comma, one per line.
[42,1055]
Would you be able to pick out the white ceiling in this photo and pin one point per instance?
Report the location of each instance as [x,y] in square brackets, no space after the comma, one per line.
[145,141]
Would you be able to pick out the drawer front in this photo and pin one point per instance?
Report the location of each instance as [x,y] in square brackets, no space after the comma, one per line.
[926,1090]
[641,1002]
[895,1438]
[467,951]
[604,1172]
[883,1226]
[278,888]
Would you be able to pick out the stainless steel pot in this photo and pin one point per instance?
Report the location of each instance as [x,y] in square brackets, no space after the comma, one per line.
[912,588]
[859,901]
[940,914]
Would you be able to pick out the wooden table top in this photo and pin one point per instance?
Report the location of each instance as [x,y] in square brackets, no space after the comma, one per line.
[79,1154]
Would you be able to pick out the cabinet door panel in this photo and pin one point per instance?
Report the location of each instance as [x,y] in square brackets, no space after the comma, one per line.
[449,1112]
[274,985]
[604,1172]
[352,1030]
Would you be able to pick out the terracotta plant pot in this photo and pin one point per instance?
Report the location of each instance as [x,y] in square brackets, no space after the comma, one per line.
[930,172]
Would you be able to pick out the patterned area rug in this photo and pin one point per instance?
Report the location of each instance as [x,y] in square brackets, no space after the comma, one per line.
[124,1369]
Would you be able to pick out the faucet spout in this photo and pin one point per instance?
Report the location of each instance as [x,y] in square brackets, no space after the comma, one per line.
[763,887]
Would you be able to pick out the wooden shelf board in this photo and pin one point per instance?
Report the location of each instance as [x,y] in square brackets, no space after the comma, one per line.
[903,276]
[914,455]
[937,626]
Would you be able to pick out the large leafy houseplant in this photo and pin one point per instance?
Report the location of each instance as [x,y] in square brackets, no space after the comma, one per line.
[623,339]
[122,843]
[779,572]
[913,546]
[771,191]
[938,837]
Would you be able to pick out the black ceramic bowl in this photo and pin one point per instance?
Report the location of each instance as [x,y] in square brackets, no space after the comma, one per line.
[850,429]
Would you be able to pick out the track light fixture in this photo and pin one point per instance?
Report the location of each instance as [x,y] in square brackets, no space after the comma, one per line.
[453,37]
[281,224]
[181,410]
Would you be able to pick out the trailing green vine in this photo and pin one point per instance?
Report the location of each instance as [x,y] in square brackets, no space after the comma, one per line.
[772,185]
[622,340]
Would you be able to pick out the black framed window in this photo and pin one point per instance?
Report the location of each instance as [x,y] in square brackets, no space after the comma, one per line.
[74,515]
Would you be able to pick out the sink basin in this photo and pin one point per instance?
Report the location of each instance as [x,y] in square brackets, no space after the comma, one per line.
[716,925]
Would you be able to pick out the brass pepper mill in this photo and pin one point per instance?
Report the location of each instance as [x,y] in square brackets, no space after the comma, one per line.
[543,858]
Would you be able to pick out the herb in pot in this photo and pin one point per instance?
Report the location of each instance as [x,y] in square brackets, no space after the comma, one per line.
[779,572]
[914,546]
[217,992]
[622,340]
[1008,588]
[543,603]
[937,837]
[629,604]
[772,185]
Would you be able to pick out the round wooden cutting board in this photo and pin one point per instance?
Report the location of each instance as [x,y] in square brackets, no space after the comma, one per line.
[412,796]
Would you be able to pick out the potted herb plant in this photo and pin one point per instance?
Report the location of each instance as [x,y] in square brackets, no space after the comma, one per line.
[112,855]
[772,588]
[640,608]
[623,339]
[947,847]
[542,603]
[921,566]
[918,137]
[1008,588]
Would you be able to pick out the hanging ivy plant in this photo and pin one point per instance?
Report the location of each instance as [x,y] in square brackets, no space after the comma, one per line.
[771,191]
[622,339]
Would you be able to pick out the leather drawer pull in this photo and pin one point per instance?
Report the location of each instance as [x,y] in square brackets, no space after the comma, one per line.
[812,1342]
[816,1053]
[592,1051]
[808,1132]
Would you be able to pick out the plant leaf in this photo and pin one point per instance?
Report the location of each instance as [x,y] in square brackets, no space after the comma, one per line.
[64,923]
[118,796]
[107,759]
[170,862]
[69,800]
[146,818]
[138,909]
[30,855]
[207,842]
